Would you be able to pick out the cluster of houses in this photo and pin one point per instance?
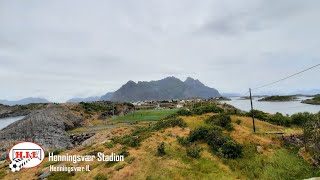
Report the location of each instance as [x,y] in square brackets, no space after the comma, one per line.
[177,103]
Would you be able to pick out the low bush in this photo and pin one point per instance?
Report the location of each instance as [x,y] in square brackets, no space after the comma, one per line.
[280,119]
[298,119]
[184,112]
[231,150]
[95,107]
[301,118]
[161,149]
[110,163]
[312,137]
[258,114]
[108,145]
[194,151]
[124,152]
[100,176]
[202,132]
[129,140]
[219,143]
[172,122]
[183,141]
[119,166]
[207,109]
[130,159]
[223,120]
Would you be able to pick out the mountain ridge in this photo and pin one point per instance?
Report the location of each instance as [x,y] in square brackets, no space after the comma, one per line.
[24,101]
[167,88]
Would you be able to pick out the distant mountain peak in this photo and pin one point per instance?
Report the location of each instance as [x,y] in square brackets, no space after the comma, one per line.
[130,83]
[86,99]
[189,79]
[25,101]
[167,88]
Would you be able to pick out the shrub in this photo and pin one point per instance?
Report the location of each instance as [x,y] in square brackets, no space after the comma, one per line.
[238,121]
[258,114]
[129,140]
[198,134]
[301,118]
[172,122]
[100,177]
[95,107]
[206,109]
[184,112]
[161,149]
[183,141]
[231,150]
[110,163]
[124,152]
[130,159]
[119,166]
[108,145]
[280,119]
[217,140]
[312,137]
[194,151]
[222,120]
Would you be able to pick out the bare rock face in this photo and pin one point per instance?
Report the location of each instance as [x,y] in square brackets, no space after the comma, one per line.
[47,127]
[78,139]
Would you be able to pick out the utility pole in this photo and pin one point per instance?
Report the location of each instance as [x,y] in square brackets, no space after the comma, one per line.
[254,127]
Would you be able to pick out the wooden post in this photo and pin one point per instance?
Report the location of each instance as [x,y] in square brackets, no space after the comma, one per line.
[252,113]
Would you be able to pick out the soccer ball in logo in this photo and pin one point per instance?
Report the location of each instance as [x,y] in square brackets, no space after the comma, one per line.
[16,165]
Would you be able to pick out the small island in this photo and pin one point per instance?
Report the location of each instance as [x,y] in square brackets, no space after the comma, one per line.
[278,98]
[315,100]
[244,98]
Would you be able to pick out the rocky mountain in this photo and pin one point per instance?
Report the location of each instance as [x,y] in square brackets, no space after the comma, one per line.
[167,88]
[88,99]
[107,97]
[24,101]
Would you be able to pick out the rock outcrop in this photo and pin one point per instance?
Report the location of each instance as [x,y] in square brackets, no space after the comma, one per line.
[78,139]
[47,127]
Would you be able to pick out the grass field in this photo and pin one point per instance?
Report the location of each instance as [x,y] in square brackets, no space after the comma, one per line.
[145,115]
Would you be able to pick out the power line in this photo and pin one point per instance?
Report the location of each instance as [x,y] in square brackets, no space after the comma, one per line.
[286,77]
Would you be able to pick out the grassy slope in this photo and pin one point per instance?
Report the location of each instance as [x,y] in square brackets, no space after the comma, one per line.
[275,161]
[145,115]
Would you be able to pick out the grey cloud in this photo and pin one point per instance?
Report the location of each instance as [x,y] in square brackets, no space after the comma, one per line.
[59,49]
[263,14]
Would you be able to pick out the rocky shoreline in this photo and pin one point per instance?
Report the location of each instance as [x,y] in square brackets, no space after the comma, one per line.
[47,127]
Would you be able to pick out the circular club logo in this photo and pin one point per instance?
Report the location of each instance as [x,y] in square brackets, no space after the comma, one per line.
[25,155]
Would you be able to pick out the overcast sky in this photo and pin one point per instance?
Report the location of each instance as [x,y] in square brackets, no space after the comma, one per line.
[64,49]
